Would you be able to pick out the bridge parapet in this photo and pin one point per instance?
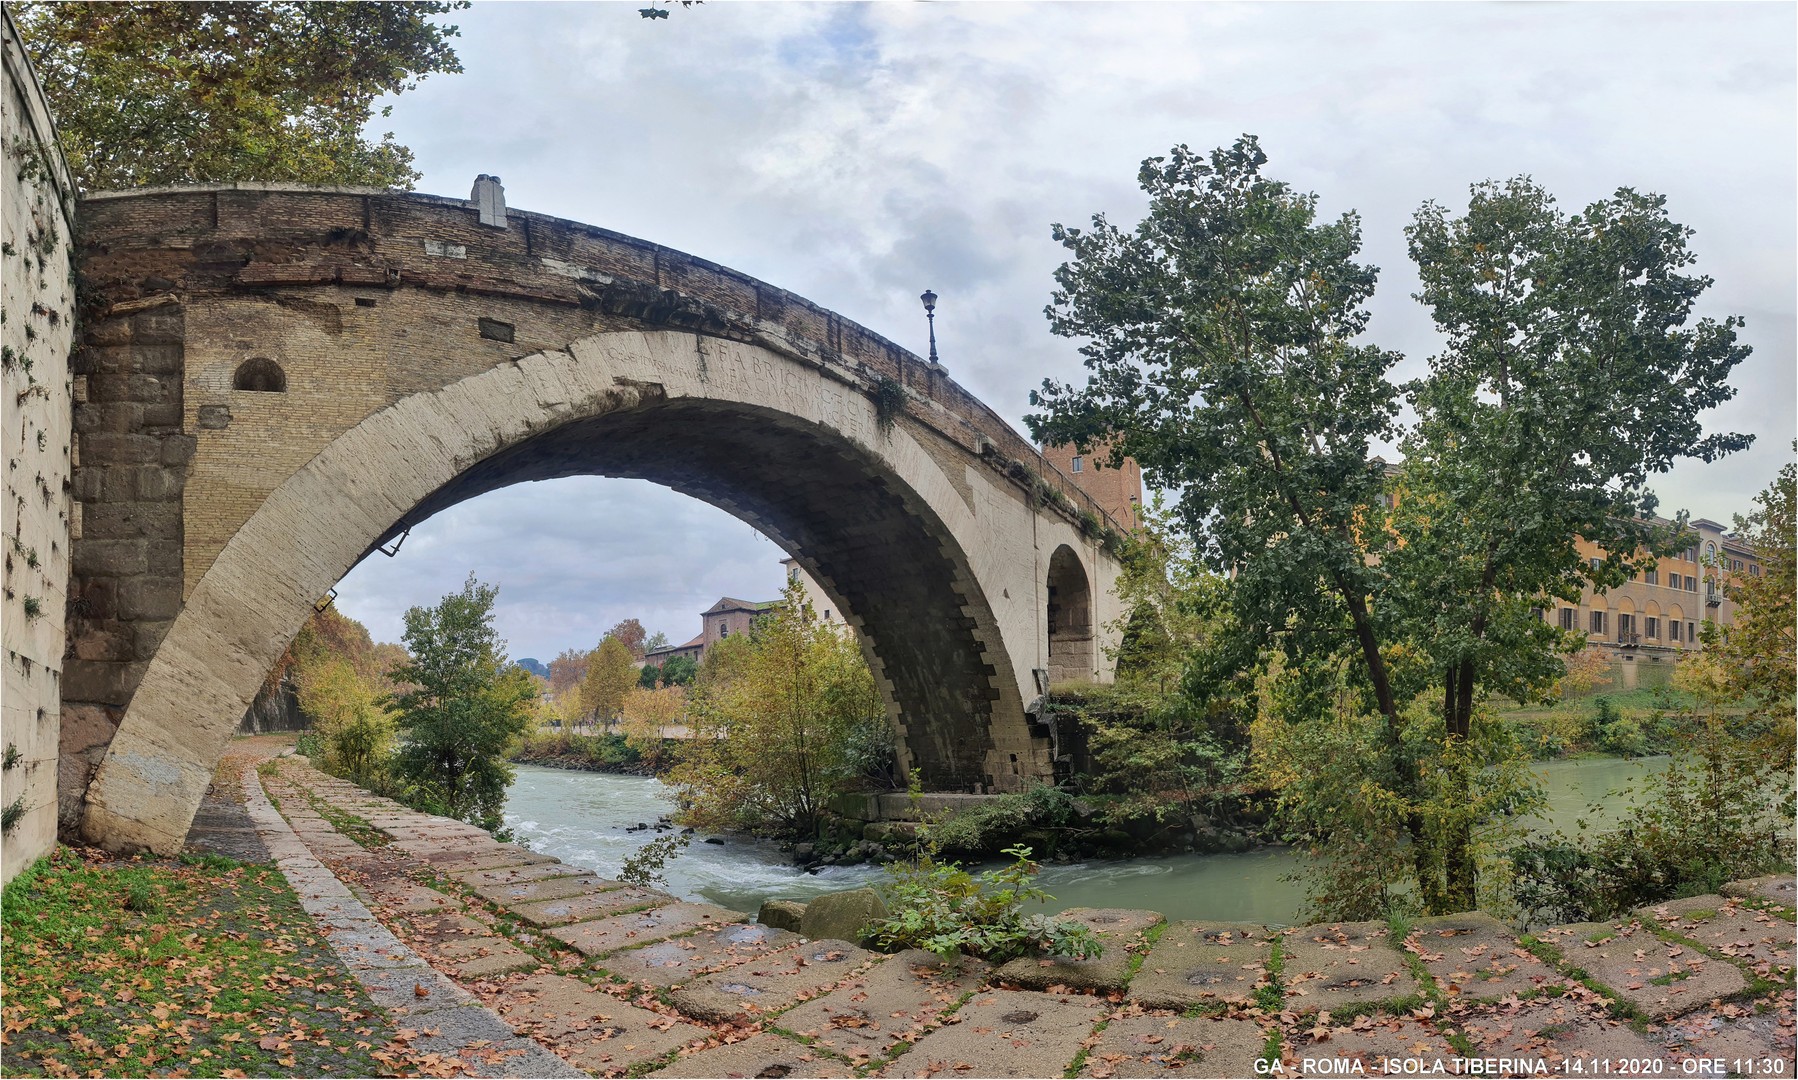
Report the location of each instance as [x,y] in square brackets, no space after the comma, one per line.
[140,246]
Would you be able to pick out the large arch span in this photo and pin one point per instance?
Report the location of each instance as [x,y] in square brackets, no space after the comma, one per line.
[307,409]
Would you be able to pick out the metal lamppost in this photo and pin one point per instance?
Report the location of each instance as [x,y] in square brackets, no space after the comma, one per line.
[929,299]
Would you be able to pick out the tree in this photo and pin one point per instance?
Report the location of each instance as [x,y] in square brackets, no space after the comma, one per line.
[609,677]
[647,714]
[777,715]
[567,671]
[1220,341]
[631,633]
[680,670]
[352,725]
[1573,373]
[154,93]
[463,710]
[1756,651]
[649,676]
[657,640]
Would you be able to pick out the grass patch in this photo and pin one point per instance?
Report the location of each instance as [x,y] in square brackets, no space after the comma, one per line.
[128,967]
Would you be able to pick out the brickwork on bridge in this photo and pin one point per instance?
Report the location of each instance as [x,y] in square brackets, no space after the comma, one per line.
[241,338]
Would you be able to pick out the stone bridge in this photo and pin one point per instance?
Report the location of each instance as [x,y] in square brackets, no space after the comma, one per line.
[273,382]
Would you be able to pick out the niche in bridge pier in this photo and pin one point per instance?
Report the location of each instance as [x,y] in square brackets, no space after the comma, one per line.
[260,374]
[1070,619]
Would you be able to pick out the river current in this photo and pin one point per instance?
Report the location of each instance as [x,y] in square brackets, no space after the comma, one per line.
[582,818]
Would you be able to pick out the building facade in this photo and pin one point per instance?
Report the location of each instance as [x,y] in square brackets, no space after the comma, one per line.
[732,616]
[1655,617]
[1118,491]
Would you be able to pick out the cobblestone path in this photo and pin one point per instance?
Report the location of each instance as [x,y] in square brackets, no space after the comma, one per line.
[616,980]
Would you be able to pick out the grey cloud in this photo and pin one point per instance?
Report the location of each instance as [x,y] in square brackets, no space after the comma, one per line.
[857,154]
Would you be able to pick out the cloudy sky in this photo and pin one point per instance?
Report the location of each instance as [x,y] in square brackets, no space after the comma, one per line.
[860,153]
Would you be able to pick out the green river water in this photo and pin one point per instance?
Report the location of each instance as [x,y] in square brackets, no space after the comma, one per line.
[582,818]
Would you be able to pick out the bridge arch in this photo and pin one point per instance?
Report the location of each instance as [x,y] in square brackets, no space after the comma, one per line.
[862,505]
[1070,618]
[430,351]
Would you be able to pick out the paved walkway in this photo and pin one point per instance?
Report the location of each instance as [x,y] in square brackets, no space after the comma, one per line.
[615,980]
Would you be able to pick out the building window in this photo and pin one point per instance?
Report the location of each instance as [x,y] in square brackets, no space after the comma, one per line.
[1595,562]
[1569,618]
[1710,551]
[1754,570]
[1691,630]
[1595,624]
[826,614]
[1737,565]
[723,632]
[1652,577]
[1691,583]
[1651,628]
[1079,463]
[1626,625]
[1672,629]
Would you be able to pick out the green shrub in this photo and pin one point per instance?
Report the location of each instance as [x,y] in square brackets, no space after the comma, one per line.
[942,908]
[995,824]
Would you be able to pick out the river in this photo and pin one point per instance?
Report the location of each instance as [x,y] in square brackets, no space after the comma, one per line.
[581,818]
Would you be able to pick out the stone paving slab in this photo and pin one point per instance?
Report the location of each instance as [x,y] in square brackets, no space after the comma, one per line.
[1371,1046]
[769,983]
[1474,956]
[1164,1043]
[1201,963]
[1782,889]
[1110,970]
[759,1055]
[520,875]
[1658,977]
[409,897]
[576,883]
[1559,1031]
[1005,1033]
[483,957]
[1737,1034]
[602,936]
[683,959]
[595,902]
[591,1028]
[453,860]
[897,1000]
[1327,967]
[395,978]
[1762,940]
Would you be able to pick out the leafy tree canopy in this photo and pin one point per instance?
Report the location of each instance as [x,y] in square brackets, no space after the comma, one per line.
[152,93]
[463,709]
[610,677]
[1223,340]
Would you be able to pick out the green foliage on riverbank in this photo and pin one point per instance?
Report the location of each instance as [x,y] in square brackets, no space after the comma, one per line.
[137,967]
[782,718]
[942,908]
[563,749]
[1722,810]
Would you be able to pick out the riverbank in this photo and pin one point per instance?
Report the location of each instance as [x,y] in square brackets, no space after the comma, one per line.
[598,752]
[617,980]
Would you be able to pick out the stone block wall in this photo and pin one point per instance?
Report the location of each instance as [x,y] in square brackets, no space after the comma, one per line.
[38,300]
[127,581]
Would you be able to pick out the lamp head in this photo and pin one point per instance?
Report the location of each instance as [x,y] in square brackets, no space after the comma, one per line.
[929,299]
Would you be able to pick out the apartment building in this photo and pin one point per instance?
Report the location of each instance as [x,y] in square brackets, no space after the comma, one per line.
[1655,617]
